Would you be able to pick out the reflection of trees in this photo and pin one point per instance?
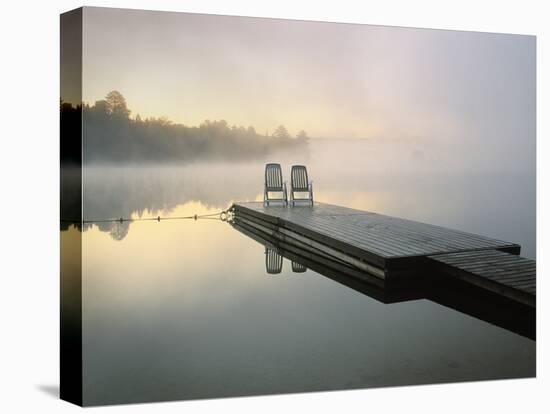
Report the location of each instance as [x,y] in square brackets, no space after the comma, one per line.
[114,192]
[117,230]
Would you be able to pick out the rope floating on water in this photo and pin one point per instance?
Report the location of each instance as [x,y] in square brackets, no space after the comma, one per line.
[223,215]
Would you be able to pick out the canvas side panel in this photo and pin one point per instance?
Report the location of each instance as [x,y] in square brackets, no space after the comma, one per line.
[71,206]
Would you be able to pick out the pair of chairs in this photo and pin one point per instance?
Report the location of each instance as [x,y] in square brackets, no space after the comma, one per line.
[299,185]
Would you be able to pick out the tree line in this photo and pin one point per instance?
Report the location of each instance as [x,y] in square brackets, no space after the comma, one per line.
[111,135]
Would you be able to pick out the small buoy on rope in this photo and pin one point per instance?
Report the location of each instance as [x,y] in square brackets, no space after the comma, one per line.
[195,217]
[121,219]
[158,218]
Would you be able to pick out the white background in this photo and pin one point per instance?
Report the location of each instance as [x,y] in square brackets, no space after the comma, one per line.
[29,155]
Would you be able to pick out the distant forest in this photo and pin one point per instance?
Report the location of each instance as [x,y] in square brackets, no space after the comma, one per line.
[111,135]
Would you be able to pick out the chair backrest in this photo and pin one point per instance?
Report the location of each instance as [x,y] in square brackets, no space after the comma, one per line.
[273,177]
[298,176]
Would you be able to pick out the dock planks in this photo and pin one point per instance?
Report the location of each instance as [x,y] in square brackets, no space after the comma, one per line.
[378,237]
[510,275]
[391,248]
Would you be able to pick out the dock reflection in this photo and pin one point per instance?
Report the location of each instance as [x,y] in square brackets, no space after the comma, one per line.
[438,288]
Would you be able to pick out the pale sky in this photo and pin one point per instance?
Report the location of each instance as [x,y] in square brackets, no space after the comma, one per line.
[333,80]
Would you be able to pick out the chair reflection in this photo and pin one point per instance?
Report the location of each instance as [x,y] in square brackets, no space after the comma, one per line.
[298,267]
[274,263]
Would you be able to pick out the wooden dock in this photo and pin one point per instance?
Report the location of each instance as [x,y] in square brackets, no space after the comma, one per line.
[391,251]
[507,274]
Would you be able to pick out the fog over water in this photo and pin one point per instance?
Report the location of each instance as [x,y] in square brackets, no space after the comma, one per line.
[403,180]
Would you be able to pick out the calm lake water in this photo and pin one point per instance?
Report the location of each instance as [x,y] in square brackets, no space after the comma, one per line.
[184,309]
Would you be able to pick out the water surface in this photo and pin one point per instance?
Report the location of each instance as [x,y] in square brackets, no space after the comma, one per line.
[185,309]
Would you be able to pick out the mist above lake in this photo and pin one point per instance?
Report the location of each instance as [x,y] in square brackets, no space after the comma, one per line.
[399,179]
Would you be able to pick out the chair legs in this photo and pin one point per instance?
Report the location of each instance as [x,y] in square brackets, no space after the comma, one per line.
[268,200]
[309,199]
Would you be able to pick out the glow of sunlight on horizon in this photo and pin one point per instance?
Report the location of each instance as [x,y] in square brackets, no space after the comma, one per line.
[459,93]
